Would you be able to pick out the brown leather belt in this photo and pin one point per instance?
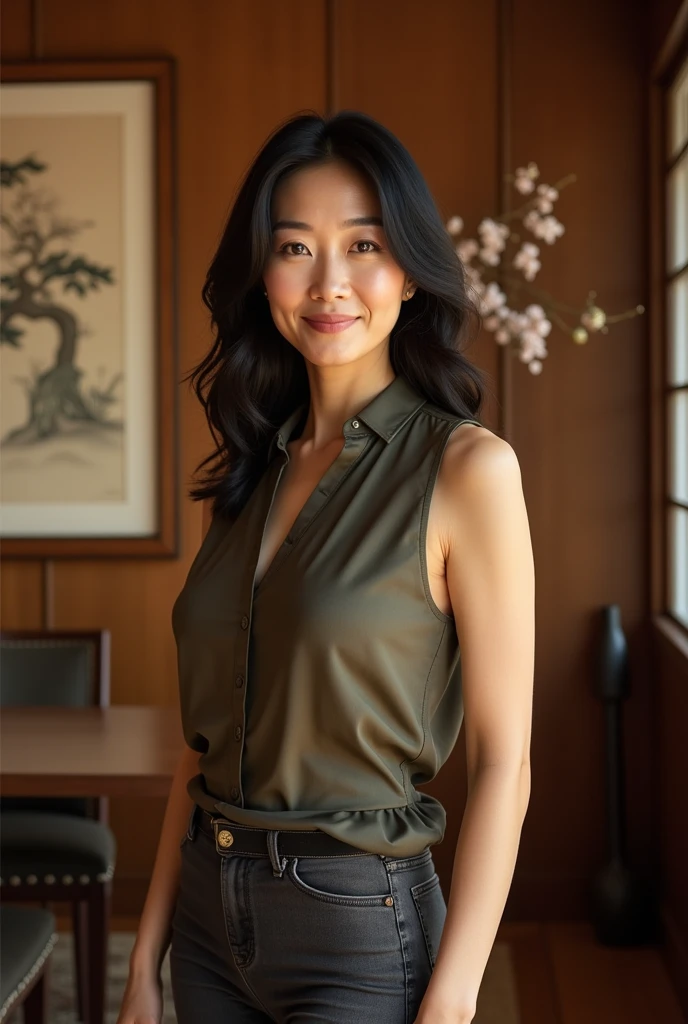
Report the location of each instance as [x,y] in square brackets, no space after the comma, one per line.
[230,837]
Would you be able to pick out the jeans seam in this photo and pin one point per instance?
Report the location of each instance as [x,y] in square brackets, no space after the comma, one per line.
[249,911]
[225,903]
[398,916]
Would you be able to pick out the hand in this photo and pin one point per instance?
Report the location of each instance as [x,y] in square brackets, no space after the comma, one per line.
[142,1001]
[433,1013]
[438,1007]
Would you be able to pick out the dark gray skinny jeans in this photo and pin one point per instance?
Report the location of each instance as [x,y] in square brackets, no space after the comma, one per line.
[327,940]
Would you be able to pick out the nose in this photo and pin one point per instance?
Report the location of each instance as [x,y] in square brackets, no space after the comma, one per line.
[330,278]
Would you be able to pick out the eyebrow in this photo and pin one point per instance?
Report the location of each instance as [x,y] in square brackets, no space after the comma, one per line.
[353,222]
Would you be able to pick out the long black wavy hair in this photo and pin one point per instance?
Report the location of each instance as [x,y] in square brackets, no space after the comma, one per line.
[252,377]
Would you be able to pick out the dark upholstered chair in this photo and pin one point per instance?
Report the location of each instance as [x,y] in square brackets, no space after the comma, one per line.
[61,849]
[27,937]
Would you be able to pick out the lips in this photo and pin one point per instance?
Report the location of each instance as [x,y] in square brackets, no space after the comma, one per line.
[329,318]
[330,323]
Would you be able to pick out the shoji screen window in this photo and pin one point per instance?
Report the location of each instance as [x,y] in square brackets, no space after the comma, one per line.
[676,192]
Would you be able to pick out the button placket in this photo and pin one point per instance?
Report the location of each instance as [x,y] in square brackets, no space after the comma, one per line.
[354,446]
[242,648]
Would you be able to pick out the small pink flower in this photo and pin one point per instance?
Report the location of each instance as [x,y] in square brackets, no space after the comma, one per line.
[467,249]
[550,229]
[492,298]
[454,225]
[546,197]
[527,261]
[525,178]
[490,257]
[493,235]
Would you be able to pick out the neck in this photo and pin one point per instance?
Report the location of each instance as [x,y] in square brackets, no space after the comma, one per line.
[336,394]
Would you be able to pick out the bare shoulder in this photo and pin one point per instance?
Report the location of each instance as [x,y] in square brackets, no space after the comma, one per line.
[479,474]
[475,457]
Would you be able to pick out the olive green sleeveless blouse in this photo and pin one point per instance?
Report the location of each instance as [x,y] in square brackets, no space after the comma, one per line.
[321,697]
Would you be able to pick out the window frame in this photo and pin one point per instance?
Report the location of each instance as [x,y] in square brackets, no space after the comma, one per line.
[668,66]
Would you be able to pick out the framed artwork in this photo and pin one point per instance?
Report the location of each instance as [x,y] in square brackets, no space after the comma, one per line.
[88,360]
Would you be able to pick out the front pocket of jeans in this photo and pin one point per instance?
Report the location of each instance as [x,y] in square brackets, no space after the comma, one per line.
[325,896]
[432,912]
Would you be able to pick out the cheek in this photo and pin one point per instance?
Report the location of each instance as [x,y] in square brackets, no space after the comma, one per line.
[284,284]
[379,286]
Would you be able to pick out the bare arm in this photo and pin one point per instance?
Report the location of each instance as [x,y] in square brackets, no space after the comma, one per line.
[490,577]
[153,935]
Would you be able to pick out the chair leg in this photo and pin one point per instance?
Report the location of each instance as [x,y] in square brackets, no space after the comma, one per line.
[35,1005]
[97,949]
[79,931]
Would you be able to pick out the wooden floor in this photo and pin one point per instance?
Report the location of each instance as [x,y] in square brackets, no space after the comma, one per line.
[565,976]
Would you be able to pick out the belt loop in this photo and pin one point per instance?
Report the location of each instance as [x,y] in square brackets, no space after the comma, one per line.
[278,863]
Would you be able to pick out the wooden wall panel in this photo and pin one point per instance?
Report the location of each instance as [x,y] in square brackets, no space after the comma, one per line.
[21,596]
[580,429]
[17,24]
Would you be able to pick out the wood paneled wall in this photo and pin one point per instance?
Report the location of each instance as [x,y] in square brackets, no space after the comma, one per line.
[473,90]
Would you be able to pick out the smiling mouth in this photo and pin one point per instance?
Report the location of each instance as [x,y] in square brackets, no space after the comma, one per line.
[331,326]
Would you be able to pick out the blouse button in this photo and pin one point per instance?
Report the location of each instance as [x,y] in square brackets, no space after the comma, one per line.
[244,621]
[235,793]
[239,681]
[237,733]
[355,424]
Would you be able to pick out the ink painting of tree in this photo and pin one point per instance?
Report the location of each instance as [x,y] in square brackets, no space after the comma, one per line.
[87,291]
[42,277]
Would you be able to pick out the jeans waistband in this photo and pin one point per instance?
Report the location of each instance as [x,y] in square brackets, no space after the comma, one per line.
[229,837]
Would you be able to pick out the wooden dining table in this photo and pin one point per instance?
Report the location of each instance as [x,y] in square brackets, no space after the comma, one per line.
[122,750]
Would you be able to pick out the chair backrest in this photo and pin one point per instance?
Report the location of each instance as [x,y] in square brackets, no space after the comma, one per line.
[54,668]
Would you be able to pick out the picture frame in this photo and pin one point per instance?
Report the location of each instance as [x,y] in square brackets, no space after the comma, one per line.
[88,325]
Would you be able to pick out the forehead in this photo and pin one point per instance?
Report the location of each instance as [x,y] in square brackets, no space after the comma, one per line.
[332,189]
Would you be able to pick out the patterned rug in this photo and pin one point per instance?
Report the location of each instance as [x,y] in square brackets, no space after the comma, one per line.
[497,1002]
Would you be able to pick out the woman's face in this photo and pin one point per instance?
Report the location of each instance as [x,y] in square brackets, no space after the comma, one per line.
[320,264]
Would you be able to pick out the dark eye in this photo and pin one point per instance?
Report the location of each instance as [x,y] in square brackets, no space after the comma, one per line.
[285,247]
[367,242]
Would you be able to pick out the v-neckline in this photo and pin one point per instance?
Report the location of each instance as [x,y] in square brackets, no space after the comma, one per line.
[316,500]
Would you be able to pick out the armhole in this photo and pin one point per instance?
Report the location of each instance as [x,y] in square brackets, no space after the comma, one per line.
[425,516]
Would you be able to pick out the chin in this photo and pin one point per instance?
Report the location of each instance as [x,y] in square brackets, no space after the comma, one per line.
[332,353]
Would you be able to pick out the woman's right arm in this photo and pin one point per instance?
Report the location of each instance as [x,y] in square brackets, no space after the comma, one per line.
[142,1001]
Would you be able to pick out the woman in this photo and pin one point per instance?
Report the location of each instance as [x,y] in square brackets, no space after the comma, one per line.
[362,520]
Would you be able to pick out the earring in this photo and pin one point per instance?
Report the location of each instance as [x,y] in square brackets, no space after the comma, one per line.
[265,294]
[409,293]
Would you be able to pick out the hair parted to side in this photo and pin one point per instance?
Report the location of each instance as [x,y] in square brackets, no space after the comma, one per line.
[252,377]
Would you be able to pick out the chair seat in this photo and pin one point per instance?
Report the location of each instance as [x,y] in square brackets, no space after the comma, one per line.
[36,846]
[27,936]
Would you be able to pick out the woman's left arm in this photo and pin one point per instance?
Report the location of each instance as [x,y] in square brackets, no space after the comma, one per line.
[483,525]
